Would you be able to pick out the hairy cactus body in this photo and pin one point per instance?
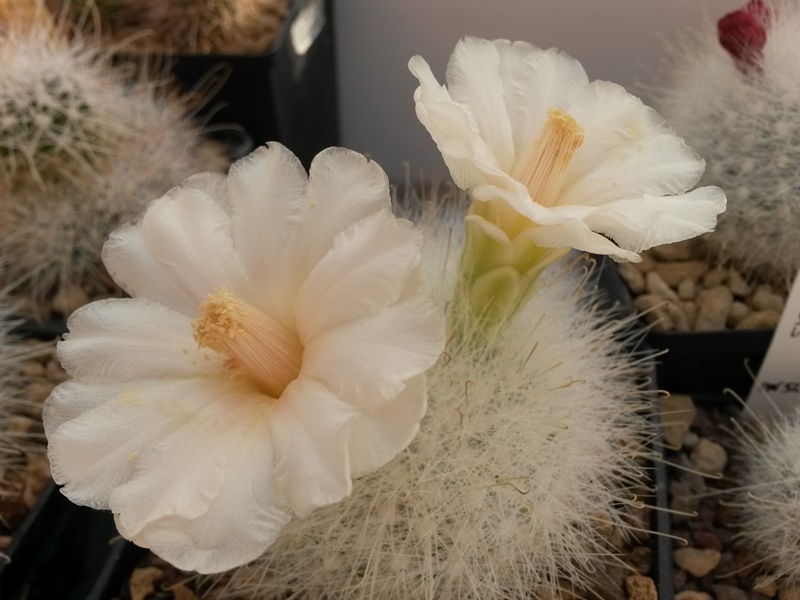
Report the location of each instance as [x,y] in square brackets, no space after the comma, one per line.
[524,459]
[739,110]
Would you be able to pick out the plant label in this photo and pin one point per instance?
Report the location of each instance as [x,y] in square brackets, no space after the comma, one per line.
[777,387]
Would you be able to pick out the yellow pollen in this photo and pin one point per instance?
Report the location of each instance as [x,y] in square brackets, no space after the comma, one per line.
[253,343]
[543,166]
[218,320]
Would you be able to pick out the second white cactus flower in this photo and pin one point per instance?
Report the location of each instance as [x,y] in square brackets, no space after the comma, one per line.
[554,161]
[272,351]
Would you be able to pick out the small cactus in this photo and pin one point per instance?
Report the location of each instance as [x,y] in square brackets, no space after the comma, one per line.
[94,165]
[62,108]
[767,501]
[734,95]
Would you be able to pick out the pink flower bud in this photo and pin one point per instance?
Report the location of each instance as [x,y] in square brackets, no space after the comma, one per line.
[743,34]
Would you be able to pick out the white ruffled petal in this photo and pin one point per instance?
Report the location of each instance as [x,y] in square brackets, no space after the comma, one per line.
[267,193]
[344,187]
[135,270]
[474,82]
[642,223]
[365,271]
[125,339]
[189,235]
[468,157]
[213,185]
[310,427]
[627,150]
[535,81]
[657,165]
[575,234]
[96,451]
[518,198]
[379,436]
[609,117]
[71,399]
[241,522]
[182,472]
[180,252]
[368,361]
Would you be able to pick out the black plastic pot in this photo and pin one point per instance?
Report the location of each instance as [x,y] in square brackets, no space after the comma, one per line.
[116,571]
[702,363]
[707,363]
[49,330]
[662,565]
[58,551]
[287,94]
[14,573]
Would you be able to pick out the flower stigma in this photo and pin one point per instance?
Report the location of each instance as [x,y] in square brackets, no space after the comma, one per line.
[257,346]
[543,166]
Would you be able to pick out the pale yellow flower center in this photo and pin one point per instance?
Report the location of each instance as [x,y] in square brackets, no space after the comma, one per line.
[543,166]
[257,345]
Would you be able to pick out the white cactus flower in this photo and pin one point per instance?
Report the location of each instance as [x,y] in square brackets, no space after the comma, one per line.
[554,160]
[272,351]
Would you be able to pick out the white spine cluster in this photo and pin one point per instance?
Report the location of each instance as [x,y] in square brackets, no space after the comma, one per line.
[744,124]
[767,502]
[526,458]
